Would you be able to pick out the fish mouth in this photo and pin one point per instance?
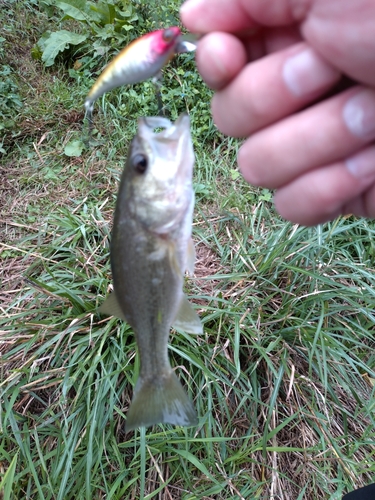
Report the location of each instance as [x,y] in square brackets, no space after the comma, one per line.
[170,152]
[172,143]
[153,122]
[165,190]
[172,131]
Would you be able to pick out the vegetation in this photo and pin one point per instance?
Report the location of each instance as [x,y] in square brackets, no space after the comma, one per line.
[283,377]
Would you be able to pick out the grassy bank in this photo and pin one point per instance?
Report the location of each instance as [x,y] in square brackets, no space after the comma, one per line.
[283,377]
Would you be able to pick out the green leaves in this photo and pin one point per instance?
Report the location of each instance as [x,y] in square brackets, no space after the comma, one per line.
[53,43]
[102,21]
[10,99]
[76,9]
[234,173]
[6,484]
[74,148]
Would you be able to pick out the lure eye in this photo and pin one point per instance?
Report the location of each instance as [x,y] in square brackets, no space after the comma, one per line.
[168,35]
[140,163]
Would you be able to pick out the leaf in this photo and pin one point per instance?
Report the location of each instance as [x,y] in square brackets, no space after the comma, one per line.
[76,9]
[234,174]
[36,53]
[100,49]
[43,40]
[105,33]
[105,11]
[6,484]
[266,195]
[74,148]
[58,42]
[197,463]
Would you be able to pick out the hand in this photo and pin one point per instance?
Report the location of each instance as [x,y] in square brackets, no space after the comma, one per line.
[272,64]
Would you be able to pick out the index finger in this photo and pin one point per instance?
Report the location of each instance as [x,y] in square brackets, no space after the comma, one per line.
[203,16]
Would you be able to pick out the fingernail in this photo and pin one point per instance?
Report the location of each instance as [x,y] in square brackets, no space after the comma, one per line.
[306,73]
[359,114]
[362,164]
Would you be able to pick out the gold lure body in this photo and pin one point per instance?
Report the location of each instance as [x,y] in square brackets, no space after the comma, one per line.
[140,60]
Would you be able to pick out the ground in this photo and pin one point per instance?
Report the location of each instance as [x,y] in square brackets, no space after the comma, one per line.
[283,376]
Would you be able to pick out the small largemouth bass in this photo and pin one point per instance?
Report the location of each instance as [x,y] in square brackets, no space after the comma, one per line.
[151,249]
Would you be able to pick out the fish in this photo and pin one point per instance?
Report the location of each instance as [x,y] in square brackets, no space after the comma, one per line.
[151,248]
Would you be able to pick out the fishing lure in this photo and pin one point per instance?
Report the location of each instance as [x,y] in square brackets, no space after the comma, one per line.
[140,60]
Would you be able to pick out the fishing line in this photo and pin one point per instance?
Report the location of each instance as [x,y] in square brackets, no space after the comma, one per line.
[90,124]
[157,81]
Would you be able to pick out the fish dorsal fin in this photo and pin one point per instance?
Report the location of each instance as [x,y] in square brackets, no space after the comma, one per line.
[187,319]
[190,263]
[111,307]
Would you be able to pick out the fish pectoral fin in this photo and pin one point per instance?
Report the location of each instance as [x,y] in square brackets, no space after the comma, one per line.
[159,400]
[190,257]
[187,319]
[173,261]
[111,307]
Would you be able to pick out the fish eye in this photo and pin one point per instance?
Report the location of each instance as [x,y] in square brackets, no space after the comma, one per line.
[168,35]
[140,163]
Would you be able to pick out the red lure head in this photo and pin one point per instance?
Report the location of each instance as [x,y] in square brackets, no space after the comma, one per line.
[164,40]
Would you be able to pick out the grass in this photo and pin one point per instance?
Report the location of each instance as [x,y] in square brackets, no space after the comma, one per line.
[283,377]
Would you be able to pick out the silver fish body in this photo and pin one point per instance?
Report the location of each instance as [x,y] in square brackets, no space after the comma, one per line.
[151,249]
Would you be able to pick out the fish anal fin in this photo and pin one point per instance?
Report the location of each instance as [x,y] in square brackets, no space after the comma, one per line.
[111,307]
[159,400]
[187,319]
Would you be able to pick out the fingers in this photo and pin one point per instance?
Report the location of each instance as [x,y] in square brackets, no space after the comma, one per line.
[219,58]
[343,30]
[270,88]
[363,205]
[322,194]
[276,39]
[320,135]
[203,16]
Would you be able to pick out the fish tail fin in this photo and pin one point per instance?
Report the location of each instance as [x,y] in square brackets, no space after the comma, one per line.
[160,400]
